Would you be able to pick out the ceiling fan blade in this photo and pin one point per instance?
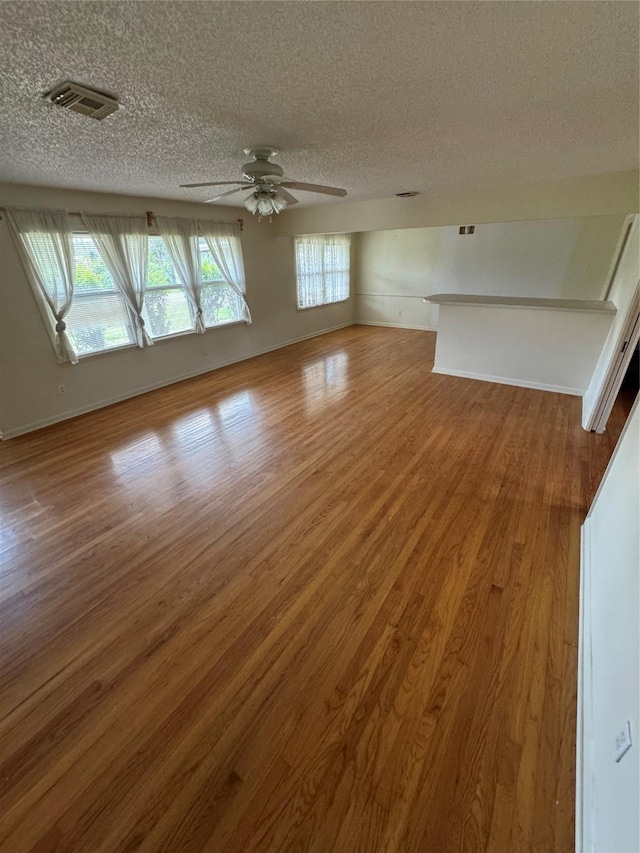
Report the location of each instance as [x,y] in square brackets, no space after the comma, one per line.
[282,193]
[313,188]
[216,184]
[228,192]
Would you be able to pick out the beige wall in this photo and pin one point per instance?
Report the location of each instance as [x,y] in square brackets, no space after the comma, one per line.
[593,195]
[29,374]
[553,258]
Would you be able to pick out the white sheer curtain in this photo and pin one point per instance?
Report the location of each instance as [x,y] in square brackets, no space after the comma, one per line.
[336,258]
[44,242]
[223,241]
[183,245]
[322,268]
[309,269]
[123,243]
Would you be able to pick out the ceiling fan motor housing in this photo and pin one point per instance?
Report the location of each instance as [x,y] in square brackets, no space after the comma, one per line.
[260,168]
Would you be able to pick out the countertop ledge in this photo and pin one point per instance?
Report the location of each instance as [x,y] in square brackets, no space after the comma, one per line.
[599,306]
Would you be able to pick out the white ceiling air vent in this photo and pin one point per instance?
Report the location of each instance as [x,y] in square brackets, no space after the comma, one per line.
[78,99]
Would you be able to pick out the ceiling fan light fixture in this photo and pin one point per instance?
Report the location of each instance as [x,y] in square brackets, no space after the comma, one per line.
[264,203]
[251,203]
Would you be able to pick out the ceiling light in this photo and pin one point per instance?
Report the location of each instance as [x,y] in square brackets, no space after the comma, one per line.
[264,203]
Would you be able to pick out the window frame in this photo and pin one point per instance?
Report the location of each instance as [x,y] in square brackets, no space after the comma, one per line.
[159,288]
[216,282]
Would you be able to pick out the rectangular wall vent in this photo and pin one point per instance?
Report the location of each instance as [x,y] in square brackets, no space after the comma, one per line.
[78,99]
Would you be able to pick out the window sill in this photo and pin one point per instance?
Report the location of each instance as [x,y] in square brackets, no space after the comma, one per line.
[323,304]
[83,356]
[164,339]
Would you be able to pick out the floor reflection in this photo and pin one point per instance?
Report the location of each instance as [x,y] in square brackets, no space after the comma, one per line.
[325,380]
[145,451]
[202,445]
[237,408]
[196,425]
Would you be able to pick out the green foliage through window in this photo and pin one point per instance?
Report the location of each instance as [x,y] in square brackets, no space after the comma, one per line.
[99,319]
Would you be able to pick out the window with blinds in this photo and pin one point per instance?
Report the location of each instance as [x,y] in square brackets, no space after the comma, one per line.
[98,291]
[322,269]
[98,319]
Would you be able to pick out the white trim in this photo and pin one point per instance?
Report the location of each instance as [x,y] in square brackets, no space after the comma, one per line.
[625,345]
[324,304]
[394,295]
[520,383]
[599,392]
[396,325]
[117,398]
[583,727]
[623,238]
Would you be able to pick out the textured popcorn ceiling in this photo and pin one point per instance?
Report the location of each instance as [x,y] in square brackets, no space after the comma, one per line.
[374,97]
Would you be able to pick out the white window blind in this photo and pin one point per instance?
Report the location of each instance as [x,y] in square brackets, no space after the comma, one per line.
[98,319]
[322,268]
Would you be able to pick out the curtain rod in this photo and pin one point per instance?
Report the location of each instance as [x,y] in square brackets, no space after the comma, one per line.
[150,216]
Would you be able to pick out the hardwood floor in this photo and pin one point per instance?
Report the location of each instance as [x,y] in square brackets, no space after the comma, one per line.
[323,600]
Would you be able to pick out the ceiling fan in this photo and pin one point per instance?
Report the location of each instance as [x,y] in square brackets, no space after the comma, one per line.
[266,184]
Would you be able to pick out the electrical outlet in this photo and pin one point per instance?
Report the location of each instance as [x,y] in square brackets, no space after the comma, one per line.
[62,389]
[623,741]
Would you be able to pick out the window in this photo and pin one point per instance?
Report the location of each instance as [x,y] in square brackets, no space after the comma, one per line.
[166,306]
[220,302]
[322,269]
[114,285]
[98,318]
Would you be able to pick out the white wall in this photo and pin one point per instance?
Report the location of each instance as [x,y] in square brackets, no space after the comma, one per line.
[608,794]
[29,374]
[621,294]
[592,195]
[546,258]
[553,258]
[554,350]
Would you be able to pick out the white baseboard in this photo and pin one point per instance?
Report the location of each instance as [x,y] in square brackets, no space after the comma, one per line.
[519,383]
[153,386]
[396,325]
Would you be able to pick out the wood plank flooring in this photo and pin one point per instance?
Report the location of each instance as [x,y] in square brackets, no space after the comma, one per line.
[322,600]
